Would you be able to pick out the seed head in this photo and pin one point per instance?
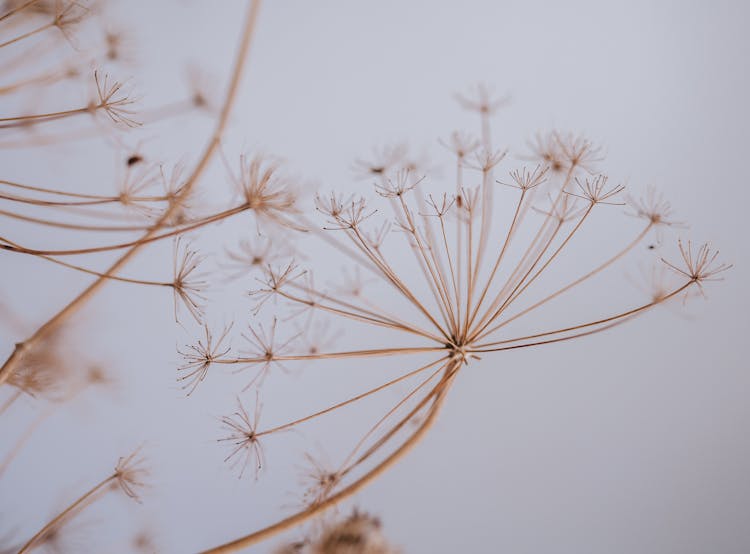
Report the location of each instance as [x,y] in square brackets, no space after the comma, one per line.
[699,266]
[187,285]
[199,357]
[243,436]
[129,474]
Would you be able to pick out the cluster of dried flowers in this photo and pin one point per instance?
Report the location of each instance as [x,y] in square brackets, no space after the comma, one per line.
[461,274]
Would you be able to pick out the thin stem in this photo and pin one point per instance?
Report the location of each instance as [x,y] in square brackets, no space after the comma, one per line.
[350,490]
[151,236]
[364,316]
[499,259]
[569,286]
[24,438]
[344,469]
[41,79]
[75,226]
[17,9]
[628,313]
[54,203]
[374,353]
[393,278]
[10,401]
[349,401]
[27,35]
[67,512]
[106,276]
[523,283]
[380,317]
[539,236]
[84,196]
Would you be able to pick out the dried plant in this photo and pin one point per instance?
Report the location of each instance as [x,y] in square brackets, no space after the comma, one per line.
[439,274]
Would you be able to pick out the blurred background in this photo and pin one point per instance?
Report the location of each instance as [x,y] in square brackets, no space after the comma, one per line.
[634,440]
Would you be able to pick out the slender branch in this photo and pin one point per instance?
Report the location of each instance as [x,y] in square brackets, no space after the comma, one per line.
[499,259]
[83,196]
[67,512]
[17,9]
[27,35]
[151,236]
[350,490]
[569,286]
[628,313]
[349,401]
[374,353]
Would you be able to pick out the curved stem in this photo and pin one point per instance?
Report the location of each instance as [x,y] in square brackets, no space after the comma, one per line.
[24,438]
[67,512]
[353,488]
[134,245]
[81,195]
[626,314]
[103,275]
[74,226]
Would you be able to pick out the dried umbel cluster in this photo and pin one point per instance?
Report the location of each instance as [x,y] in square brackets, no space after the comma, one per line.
[360,533]
[452,282]
[440,273]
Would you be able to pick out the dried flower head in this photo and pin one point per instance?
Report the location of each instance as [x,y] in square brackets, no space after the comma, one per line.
[482,99]
[257,253]
[320,479]
[594,191]
[179,204]
[525,180]
[461,144]
[265,351]
[564,152]
[129,474]
[201,87]
[654,208]
[402,182]
[199,357]
[118,45]
[360,533]
[144,541]
[46,369]
[274,279]
[187,286]
[266,192]
[383,161]
[485,159]
[700,266]
[243,434]
[113,101]
[578,151]
[137,179]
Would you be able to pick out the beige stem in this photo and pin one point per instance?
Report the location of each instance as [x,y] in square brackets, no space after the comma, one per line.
[304,515]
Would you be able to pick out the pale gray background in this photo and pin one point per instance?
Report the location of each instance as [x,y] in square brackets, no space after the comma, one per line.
[632,441]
